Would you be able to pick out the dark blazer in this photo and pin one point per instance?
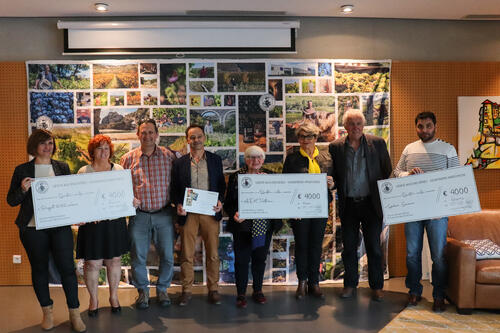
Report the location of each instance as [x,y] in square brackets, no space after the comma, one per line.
[231,206]
[15,196]
[181,178]
[378,166]
[296,163]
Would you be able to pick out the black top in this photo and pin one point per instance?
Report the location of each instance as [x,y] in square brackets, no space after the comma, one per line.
[15,196]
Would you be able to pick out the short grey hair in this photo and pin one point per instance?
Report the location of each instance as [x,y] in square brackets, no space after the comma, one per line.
[353,113]
[254,151]
[308,128]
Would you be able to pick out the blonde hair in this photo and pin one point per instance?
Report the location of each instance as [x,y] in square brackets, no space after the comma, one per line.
[254,151]
[307,128]
[352,113]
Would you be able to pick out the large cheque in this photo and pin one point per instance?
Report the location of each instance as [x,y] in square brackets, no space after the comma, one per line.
[429,195]
[87,197]
[291,195]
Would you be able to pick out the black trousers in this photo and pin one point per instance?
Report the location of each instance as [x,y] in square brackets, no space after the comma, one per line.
[59,242]
[308,235]
[243,255]
[357,213]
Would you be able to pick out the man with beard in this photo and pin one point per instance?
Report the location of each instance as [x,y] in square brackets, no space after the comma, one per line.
[425,155]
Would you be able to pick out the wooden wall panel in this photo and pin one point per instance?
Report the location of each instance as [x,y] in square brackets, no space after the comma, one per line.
[416,86]
[435,86]
[13,135]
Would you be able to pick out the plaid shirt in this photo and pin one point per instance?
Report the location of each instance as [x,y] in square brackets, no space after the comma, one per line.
[150,176]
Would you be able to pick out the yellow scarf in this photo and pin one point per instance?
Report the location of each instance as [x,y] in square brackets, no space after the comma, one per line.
[313,164]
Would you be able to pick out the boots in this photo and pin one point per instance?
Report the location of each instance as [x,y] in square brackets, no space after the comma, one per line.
[76,320]
[301,290]
[48,319]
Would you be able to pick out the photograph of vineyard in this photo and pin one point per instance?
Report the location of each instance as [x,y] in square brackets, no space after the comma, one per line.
[70,76]
[119,123]
[346,103]
[201,70]
[362,77]
[133,98]
[241,77]
[321,113]
[173,84]
[376,109]
[115,76]
[252,122]
[223,123]
[164,118]
[58,106]
[176,143]
[72,142]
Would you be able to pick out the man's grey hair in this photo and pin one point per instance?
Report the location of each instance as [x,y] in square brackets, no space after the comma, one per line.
[352,113]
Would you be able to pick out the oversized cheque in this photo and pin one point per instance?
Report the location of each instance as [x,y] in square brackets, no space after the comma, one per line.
[429,195]
[274,196]
[87,197]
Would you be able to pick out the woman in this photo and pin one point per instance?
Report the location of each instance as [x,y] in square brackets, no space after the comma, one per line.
[308,233]
[102,241]
[246,246]
[39,244]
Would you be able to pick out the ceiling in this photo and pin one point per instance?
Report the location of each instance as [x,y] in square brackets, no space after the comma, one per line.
[405,9]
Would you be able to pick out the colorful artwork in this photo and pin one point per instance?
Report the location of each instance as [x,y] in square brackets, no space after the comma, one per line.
[79,99]
[479,131]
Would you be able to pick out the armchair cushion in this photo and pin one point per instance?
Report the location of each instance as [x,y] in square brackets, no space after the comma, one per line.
[485,248]
[488,271]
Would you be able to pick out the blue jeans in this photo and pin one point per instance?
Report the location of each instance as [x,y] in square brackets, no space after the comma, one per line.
[436,235]
[143,228]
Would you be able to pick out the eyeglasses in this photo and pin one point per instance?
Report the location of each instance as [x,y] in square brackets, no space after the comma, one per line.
[255,157]
[309,136]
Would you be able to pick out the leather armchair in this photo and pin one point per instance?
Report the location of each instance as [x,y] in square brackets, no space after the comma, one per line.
[473,283]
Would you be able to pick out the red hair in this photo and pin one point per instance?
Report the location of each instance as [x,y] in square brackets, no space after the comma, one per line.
[96,141]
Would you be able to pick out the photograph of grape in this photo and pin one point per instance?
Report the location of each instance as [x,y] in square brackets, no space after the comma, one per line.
[133,98]
[113,76]
[362,77]
[58,106]
[212,100]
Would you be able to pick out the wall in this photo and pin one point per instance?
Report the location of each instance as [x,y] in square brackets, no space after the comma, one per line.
[416,86]
[406,40]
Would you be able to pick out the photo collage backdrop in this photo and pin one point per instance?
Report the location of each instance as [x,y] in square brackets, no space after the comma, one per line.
[239,103]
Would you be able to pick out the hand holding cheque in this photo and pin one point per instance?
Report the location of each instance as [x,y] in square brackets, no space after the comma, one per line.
[65,200]
[429,195]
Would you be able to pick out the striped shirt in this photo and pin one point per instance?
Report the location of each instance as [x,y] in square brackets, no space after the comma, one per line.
[150,176]
[431,156]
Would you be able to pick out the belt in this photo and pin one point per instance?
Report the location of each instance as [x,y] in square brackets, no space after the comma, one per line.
[151,212]
[358,199]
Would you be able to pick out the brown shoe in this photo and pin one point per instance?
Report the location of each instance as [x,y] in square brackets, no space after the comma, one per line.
[184,298]
[377,295]
[76,320]
[439,305]
[348,292]
[315,291]
[301,290]
[413,300]
[48,318]
[214,297]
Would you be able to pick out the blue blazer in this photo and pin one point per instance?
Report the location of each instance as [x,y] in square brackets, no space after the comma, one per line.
[181,178]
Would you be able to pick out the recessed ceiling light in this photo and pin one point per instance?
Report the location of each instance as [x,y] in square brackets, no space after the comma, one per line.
[347,9]
[101,7]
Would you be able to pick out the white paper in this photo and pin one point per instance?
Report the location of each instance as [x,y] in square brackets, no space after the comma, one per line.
[289,195]
[200,201]
[429,195]
[82,198]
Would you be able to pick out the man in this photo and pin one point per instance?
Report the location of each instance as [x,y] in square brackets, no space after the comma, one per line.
[202,170]
[359,160]
[46,79]
[151,166]
[425,155]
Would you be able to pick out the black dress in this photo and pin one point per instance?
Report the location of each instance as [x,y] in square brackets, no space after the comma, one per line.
[103,240]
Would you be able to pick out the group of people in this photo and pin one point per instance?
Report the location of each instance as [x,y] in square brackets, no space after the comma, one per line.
[353,165]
